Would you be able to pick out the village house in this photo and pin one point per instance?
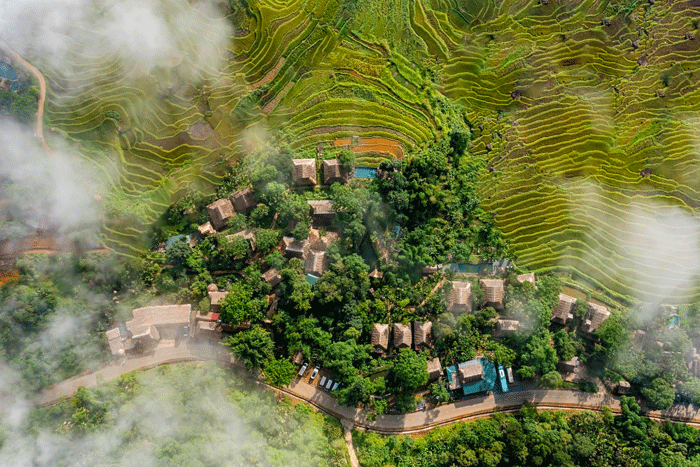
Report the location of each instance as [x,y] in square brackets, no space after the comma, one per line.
[422,335]
[316,263]
[272,277]
[493,293]
[244,200]
[402,336]
[322,212]
[150,325]
[333,171]
[206,229]
[596,315]
[506,327]
[248,234]
[293,248]
[460,299]
[563,312]
[569,366]
[434,369]
[380,337]
[304,173]
[529,277]
[215,298]
[220,211]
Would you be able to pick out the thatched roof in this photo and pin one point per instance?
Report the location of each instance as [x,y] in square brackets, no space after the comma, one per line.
[206,326]
[206,229]
[316,263]
[470,372]
[321,243]
[160,315]
[493,293]
[505,327]
[529,277]
[563,312]
[272,277]
[304,172]
[380,337]
[295,248]
[244,200]
[402,335]
[214,299]
[322,211]
[333,171]
[220,211]
[212,288]
[595,317]
[569,366]
[422,334]
[460,299]
[434,368]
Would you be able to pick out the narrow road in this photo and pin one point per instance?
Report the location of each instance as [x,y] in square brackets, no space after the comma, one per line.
[416,422]
[39,132]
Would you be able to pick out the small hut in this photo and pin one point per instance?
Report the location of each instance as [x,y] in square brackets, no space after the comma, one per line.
[596,315]
[421,334]
[402,336]
[380,337]
[493,293]
[304,173]
[220,211]
[563,312]
[506,327]
[470,373]
[206,229]
[333,171]
[244,200]
[529,277]
[460,299]
[272,277]
[316,263]
[294,248]
[214,299]
[434,369]
[322,212]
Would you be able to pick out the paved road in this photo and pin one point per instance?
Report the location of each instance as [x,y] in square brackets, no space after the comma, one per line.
[185,352]
[477,407]
[42,94]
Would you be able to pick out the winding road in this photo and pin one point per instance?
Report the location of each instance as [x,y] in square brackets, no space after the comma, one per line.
[39,132]
[416,422]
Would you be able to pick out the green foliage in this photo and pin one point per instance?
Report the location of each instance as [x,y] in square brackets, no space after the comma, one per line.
[659,395]
[254,347]
[239,306]
[348,160]
[266,239]
[279,372]
[177,254]
[410,370]
[551,380]
[566,350]
[20,106]
[439,393]
[539,354]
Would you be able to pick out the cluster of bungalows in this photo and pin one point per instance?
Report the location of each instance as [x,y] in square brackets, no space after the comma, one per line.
[403,338]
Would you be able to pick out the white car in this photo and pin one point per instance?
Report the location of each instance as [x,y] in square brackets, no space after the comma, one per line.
[323,382]
[335,386]
[303,369]
[329,384]
[314,373]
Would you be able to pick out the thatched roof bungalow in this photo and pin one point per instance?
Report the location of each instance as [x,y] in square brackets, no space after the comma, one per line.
[563,313]
[402,336]
[493,293]
[244,200]
[380,337]
[304,173]
[220,211]
[333,171]
[460,299]
[422,334]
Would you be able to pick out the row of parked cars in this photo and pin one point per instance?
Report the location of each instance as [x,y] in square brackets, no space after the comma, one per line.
[325,383]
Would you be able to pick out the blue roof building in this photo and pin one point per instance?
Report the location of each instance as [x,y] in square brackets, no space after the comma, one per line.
[474,376]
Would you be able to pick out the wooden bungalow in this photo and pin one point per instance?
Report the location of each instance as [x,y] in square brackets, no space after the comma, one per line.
[422,337]
[316,263]
[434,369]
[322,212]
[460,299]
[333,171]
[244,200]
[596,315]
[304,173]
[402,336]
[220,211]
[272,277]
[493,293]
[380,337]
[563,313]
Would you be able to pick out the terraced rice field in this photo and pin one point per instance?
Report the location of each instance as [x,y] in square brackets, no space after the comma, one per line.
[571,112]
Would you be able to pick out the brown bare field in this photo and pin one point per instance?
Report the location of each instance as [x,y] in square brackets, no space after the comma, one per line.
[273,103]
[372,144]
[270,74]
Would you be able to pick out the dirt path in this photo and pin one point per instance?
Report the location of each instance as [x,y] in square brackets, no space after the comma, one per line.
[347,434]
[39,131]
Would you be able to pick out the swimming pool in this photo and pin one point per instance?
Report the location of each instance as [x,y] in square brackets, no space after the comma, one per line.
[365,172]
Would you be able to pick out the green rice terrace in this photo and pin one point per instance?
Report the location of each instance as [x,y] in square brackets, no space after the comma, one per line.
[586,111]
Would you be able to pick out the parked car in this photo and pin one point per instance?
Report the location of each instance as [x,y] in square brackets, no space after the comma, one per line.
[329,384]
[335,386]
[314,373]
[185,331]
[302,370]
[323,382]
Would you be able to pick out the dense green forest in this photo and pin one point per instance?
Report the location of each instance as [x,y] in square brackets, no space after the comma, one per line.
[195,415]
[529,438]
